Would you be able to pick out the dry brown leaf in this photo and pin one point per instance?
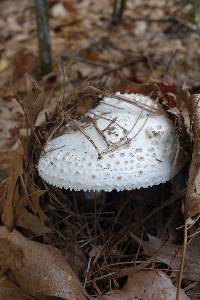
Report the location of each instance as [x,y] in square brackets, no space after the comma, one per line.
[192,202]
[70,6]
[7,258]
[41,271]
[59,11]
[9,291]
[171,255]
[74,255]
[154,88]
[33,196]
[184,104]
[33,103]
[29,221]
[148,285]
[12,194]
[3,64]
[19,192]
[11,121]
[24,62]
[20,187]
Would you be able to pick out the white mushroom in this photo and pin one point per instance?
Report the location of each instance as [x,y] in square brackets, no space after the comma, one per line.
[123,147]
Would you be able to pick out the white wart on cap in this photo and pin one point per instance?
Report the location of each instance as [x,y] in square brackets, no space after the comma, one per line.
[123,148]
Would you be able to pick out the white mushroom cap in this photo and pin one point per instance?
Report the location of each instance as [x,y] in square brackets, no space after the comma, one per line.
[137,149]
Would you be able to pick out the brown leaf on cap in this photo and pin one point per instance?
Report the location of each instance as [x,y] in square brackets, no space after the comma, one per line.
[146,285]
[149,89]
[41,271]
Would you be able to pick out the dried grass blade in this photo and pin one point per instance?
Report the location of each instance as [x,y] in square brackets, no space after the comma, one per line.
[146,107]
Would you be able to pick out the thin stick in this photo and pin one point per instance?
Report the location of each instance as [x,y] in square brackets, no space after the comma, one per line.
[84,60]
[117,68]
[178,295]
[100,132]
[76,126]
[112,121]
[146,107]
[87,272]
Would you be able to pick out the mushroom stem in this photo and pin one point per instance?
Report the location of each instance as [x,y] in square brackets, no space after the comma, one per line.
[94,197]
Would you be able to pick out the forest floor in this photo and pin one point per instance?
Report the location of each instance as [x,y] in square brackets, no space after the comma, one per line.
[132,244]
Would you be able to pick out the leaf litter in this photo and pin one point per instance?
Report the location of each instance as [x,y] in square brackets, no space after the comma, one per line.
[99,240]
[37,268]
[146,285]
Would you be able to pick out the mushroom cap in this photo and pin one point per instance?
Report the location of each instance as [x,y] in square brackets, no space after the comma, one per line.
[124,147]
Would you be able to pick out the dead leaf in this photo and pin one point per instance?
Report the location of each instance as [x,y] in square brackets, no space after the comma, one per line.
[146,285]
[192,202]
[171,255]
[3,64]
[74,255]
[24,62]
[33,102]
[59,11]
[7,258]
[9,291]
[70,6]
[12,194]
[41,271]
[20,190]
[34,194]
[29,221]
[146,89]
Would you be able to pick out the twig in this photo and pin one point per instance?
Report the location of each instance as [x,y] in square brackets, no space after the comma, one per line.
[146,107]
[123,141]
[178,295]
[139,130]
[133,227]
[76,126]
[112,121]
[117,68]
[100,132]
[87,272]
[83,60]
[139,116]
